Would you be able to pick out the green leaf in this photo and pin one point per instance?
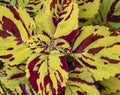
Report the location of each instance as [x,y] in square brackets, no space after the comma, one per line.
[14,80]
[97,48]
[47,73]
[33,6]
[13,53]
[14,21]
[88,8]
[12,76]
[16,27]
[80,82]
[110,13]
[20,3]
[109,86]
[58,18]
[23,89]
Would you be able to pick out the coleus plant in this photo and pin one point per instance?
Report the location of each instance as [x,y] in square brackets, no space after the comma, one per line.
[59,47]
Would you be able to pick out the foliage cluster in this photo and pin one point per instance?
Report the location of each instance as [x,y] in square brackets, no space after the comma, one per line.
[59,47]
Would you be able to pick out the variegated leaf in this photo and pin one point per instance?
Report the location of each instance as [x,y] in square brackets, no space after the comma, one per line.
[14,21]
[98,49]
[23,89]
[59,18]
[109,86]
[88,8]
[47,73]
[16,27]
[12,75]
[33,6]
[110,12]
[13,53]
[80,82]
[20,3]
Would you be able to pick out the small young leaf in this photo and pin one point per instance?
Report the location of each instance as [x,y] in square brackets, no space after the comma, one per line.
[47,73]
[58,18]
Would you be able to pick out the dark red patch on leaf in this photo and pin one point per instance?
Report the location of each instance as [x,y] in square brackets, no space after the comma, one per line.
[16,76]
[53,3]
[86,42]
[83,20]
[110,60]
[76,64]
[81,93]
[47,80]
[87,64]
[11,59]
[60,75]
[10,48]
[9,25]
[80,80]
[17,16]
[64,63]
[6,56]
[87,57]
[33,74]
[95,50]
[113,32]
[15,13]
[23,88]
[4,34]
[117,43]
[70,13]
[70,37]
[114,18]
[89,1]
[60,43]
[56,20]
[110,15]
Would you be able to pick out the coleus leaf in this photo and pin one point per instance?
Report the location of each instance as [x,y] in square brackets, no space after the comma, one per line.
[109,86]
[14,30]
[14,21]
[13,53]
[23,89]
[13,78]
[21,3]
[33,7]
[80,82]
[59,18]
[97,48]
[110,13]
[88,8]
[47,73]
